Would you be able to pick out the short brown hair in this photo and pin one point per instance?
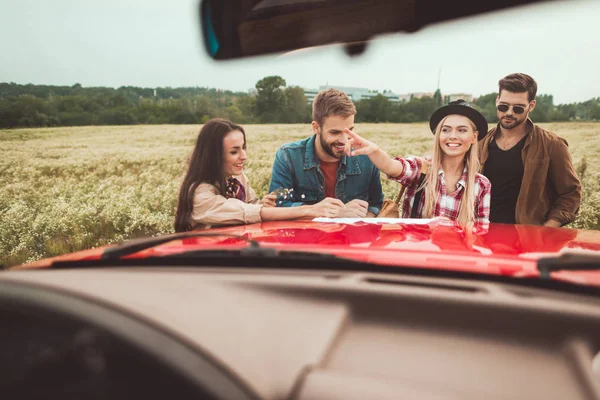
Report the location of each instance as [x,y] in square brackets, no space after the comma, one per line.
[518,83]
[331,102]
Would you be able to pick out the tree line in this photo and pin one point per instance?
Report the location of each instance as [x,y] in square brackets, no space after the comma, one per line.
[272,101]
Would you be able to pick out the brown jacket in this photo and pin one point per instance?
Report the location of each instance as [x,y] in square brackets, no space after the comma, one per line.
[550,187]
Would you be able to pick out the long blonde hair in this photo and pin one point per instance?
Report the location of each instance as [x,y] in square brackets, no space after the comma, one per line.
[466,214]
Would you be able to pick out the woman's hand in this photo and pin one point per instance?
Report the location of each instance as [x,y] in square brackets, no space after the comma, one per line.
[357,145]
[269,200]
[377,156]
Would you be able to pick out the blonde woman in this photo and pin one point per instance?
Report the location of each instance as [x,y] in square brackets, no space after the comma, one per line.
[452,188]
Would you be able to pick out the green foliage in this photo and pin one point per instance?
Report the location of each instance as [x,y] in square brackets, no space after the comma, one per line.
[544,108]
[49,106]
[437,96]
[40,105]
[270,98]
[295,107]
[380,109]
[247,106]
[276,103]
[377,109]
[487,106]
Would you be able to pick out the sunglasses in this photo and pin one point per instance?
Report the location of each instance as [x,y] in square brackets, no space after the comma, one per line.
[516,109]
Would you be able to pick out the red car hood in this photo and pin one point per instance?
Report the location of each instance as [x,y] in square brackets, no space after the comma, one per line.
[501,249]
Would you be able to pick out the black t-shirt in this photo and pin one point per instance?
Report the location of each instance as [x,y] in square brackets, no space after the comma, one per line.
[505,170]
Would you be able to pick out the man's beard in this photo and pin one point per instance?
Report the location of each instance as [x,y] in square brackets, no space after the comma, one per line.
[511,124]
[328,148]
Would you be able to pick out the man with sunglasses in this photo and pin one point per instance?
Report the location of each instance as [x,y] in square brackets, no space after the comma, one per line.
[530,168]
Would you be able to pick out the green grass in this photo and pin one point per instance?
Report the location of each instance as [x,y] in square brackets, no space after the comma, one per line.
[68,189]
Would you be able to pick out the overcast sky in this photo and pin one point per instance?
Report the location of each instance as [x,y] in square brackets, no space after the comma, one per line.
[154,43]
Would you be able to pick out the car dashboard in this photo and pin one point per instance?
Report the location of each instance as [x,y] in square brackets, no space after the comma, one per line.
[278,334]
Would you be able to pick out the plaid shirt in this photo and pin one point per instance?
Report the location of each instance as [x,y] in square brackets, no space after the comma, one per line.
[448,204]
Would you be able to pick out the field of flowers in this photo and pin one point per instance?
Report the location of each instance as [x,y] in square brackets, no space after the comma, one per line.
[67,189]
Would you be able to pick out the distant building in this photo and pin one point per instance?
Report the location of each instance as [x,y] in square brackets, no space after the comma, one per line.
[310,94]
[358,94]
[355,93]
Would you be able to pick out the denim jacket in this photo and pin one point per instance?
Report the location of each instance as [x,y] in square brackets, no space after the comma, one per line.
[297,167]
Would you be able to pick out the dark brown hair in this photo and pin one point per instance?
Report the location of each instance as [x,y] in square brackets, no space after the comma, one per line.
[205,166]
[518,83]
[331,102]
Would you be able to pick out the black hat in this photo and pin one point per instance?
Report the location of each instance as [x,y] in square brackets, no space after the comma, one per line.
[460,107]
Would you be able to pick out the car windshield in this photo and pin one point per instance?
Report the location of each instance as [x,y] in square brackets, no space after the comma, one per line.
[101,104]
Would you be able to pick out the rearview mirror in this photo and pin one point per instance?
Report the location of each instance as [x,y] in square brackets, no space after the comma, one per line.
[242,28]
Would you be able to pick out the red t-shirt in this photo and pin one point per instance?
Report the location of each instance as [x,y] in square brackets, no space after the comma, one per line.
[329,171]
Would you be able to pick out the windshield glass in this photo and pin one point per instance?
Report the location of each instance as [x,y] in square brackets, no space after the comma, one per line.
[101,104]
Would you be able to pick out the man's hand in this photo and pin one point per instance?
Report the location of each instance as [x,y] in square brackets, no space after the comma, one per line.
[269,200]
[329,208]
[552,223]
[354,209]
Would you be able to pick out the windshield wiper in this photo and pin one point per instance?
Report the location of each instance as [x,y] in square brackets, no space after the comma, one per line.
[568,262]
[254,256]
[137,245]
